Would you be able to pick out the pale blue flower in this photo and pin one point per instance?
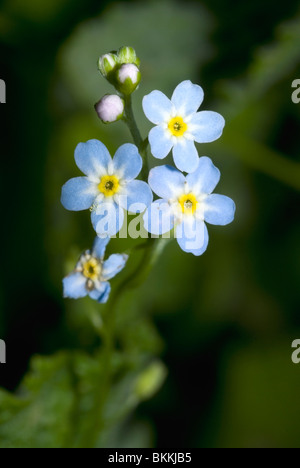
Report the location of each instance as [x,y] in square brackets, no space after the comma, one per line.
[91,274]
[109,186]
[179,125]
[186,204]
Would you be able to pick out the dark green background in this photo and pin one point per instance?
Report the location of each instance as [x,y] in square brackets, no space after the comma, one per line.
[223,323]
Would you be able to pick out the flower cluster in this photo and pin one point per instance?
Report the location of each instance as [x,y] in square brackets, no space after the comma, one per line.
[110,188]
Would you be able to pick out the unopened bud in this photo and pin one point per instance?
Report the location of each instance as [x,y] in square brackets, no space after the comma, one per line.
[110,108]
[107,64]
[128,55]
[128,78]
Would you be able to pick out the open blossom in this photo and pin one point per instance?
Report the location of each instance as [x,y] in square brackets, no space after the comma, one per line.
[186,204]
[109,186]
[91,274]
[179,125]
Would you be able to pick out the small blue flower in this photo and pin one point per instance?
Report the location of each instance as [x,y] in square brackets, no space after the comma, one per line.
[178,124]
[91,273]
[109,187]
[186,203]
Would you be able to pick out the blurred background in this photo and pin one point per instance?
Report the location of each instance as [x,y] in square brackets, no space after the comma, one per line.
[203,353]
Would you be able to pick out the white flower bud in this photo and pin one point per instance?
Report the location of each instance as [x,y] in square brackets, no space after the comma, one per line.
[128,78]
[128,70]
[107,63]
[110,108]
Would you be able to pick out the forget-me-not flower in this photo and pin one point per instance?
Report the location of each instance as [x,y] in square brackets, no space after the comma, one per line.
[186,204]
[109,186]
[91,273]
[178,124]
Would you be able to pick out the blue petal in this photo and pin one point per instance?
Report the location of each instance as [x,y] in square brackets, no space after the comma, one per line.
[92,158]
[219,209]
[159,218]
[74,286]
[136,196]
[157,107]
[185,155]
[78,194]
[113,265]
[99,246]
[160,142]
[128,162]
[107,219]
[192,236]
[187,98]
[166,181]
[105,293]
[205,178]
[101,292]
[206,126]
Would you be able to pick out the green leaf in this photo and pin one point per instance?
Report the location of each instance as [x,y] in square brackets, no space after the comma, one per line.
[73,399]
[150,380]
[39,416]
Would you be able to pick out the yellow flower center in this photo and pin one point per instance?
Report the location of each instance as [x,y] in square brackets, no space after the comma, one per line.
[188,203]
[92,269]
[109,185]
[177,126]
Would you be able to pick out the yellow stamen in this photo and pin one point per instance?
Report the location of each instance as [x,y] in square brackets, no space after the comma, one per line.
[92,269]
[177,126]
[109,185]
[188,203]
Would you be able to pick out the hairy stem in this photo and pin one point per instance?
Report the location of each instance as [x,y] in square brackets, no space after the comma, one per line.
[142,145]
[130,121]
[151,252]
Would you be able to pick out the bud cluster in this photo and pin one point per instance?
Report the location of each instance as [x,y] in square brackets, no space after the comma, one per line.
[121,69]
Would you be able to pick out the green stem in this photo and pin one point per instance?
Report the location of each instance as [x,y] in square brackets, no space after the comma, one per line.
[152,250]
[134,130]
[97,420]
[130,121]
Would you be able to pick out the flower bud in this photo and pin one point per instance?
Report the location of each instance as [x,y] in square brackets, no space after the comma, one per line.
[128,77]
[107,64]
[110,108]
[150,380]
[128,55]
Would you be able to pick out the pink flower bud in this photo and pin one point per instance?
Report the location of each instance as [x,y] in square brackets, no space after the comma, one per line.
[110,108]
[128,78]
